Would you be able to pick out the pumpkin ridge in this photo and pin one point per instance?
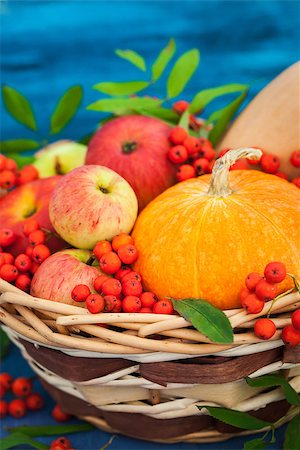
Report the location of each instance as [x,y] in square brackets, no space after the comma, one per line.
[279,232]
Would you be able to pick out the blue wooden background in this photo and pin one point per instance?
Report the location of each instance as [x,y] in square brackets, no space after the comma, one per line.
[48,46]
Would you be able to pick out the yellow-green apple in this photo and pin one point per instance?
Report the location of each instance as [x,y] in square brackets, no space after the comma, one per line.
[90,204]
[61,272]
[27,201]
[59,158]
[135,147]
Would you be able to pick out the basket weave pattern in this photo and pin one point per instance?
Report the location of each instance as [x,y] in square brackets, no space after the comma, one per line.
[152,367]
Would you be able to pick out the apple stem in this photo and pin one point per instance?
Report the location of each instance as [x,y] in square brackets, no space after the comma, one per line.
[91,260]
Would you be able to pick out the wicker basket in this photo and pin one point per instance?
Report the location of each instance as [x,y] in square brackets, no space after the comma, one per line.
[144,374]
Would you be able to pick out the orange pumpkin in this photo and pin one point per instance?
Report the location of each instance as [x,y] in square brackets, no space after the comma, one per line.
[200,238]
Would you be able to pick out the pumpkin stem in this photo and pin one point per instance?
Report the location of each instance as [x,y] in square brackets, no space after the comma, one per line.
[219,183]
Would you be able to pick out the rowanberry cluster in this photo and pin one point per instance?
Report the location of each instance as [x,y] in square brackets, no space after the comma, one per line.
[193,155]
[195,123]
[59,415]
[20,269]
[121,289]
[25,399]
[259,290]
[11,177]
[61,443]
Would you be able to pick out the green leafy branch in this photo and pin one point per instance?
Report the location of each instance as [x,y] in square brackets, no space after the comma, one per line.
[246,421]
[20,108]
[123,98]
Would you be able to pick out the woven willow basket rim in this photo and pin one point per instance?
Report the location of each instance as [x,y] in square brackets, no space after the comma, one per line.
[58,325]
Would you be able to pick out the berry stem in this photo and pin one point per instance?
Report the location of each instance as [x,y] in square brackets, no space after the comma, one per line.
[296,282]
[219,183]
[289,291]
[91,260]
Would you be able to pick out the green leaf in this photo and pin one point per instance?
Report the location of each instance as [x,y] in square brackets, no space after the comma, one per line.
[52,430]
[123,105]
[18,146]
[222,117]
[292,434]
[22,160]
[203,98]
[276,380]
[163,59]
[182,71]
[236,418]
[205,318]
[255,444]
[167,115]
[14,439]
[19,107]
[4,344]
[126,88]
[66,108]
[133,57]
[185,119]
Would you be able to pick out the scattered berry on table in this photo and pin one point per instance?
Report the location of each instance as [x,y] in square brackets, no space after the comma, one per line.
[22,387]
[34,402]
[59,415]
[3,409]
[6,380]
[17,408]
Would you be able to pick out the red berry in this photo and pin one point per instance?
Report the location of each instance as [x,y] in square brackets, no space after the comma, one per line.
[128,254]
[211,166]
[29,251]
[148,300]
[8,272]
[163,307]
[266,291]
[290,336]
[3,408]
[22,387]
[101,248]
[80,293]
[281,175]
[30,225]
[7,237]
[296,319]
[131,276]
[264,328]
[192,145]
[270,163]
[6,258]
[241,164]
[23,282]
[178,135]
[40,253]
[275,272]
[17,408]
[177,154]
[23,263]
[252,304]
[120,240]
[131,304]
[244,293]
[296,182]
[110,263]
[98,282]
[6,380]
[206,149]
[10,164]
[122,272]
[59,415]
[7,179]
[185,172]
[111,286]
[201,166]
[34,402]
[36,237]
[27,174]
[110,302]
[2,391]
[61,443]
[118,306]
[251,280]
[295,158]
[132,287]
[34,268]
[180,106]
[95,303]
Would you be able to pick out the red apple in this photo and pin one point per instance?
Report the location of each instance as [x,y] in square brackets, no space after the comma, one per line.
[30,200]
[135,147]
[61,272]
[91,204]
